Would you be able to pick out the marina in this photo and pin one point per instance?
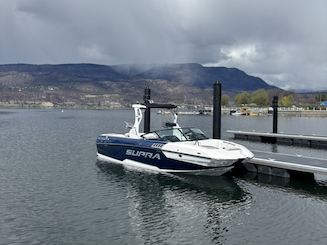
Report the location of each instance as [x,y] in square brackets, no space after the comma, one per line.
[174,150]
[171,149]
[284,165]
[163,122]
[74,201]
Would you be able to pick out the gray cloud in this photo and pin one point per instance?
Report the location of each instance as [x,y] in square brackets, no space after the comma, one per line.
[284,42]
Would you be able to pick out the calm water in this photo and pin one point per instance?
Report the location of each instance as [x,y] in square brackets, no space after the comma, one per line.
[52,192]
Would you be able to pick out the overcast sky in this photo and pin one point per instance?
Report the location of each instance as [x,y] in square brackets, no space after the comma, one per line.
[282,41]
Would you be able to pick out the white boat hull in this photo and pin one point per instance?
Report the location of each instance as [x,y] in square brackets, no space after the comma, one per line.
[135,165]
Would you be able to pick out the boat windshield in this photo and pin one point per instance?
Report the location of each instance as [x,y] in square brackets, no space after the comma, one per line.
[176,134]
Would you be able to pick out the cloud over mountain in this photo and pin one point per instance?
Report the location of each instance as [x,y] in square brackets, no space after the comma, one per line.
[284,42]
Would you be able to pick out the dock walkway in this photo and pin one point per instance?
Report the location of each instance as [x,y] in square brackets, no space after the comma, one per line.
[285,165]
[289,139]
[282,164]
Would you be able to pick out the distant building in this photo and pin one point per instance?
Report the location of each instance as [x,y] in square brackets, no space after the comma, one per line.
[323,103]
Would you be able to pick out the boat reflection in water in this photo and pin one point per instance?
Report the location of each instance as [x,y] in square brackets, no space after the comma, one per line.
[304,185]
[175,208]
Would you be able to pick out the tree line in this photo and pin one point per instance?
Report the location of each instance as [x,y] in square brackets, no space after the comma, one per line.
[321,97]
[259,98]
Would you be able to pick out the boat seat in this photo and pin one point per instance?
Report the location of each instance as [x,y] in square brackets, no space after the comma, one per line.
[171,138]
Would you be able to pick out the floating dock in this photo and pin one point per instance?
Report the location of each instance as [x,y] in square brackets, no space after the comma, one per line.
[287,165]
[288,139]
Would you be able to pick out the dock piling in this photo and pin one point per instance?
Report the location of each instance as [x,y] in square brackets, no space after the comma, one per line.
[147,114]
[275,114]
[216,110]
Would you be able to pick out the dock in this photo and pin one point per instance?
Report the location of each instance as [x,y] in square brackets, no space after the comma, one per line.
[279,138]
[282,164]
[287,165]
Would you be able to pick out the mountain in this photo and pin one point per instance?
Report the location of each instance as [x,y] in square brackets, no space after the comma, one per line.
[200,76]
[123,84]
[54,74]
[191,74]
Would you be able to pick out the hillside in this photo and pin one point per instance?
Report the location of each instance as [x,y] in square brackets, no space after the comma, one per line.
[119,85]
[199,76]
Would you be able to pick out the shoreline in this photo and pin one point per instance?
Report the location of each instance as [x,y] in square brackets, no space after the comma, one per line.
[225,110]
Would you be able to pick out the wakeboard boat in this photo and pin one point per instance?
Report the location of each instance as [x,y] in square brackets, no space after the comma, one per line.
[173,149]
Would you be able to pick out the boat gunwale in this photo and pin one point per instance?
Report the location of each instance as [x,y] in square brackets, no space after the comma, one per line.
[163,150]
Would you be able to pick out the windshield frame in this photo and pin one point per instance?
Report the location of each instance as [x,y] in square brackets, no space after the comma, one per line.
[184,134]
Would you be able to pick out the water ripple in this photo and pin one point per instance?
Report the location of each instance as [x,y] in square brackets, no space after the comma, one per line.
[52,192]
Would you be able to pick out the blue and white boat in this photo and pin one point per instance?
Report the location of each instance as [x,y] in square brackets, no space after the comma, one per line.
[174,149]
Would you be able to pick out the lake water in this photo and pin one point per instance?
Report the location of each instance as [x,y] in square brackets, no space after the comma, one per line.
[52,192]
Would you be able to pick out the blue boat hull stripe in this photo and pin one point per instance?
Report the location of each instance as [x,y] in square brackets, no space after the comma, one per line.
[147,155]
